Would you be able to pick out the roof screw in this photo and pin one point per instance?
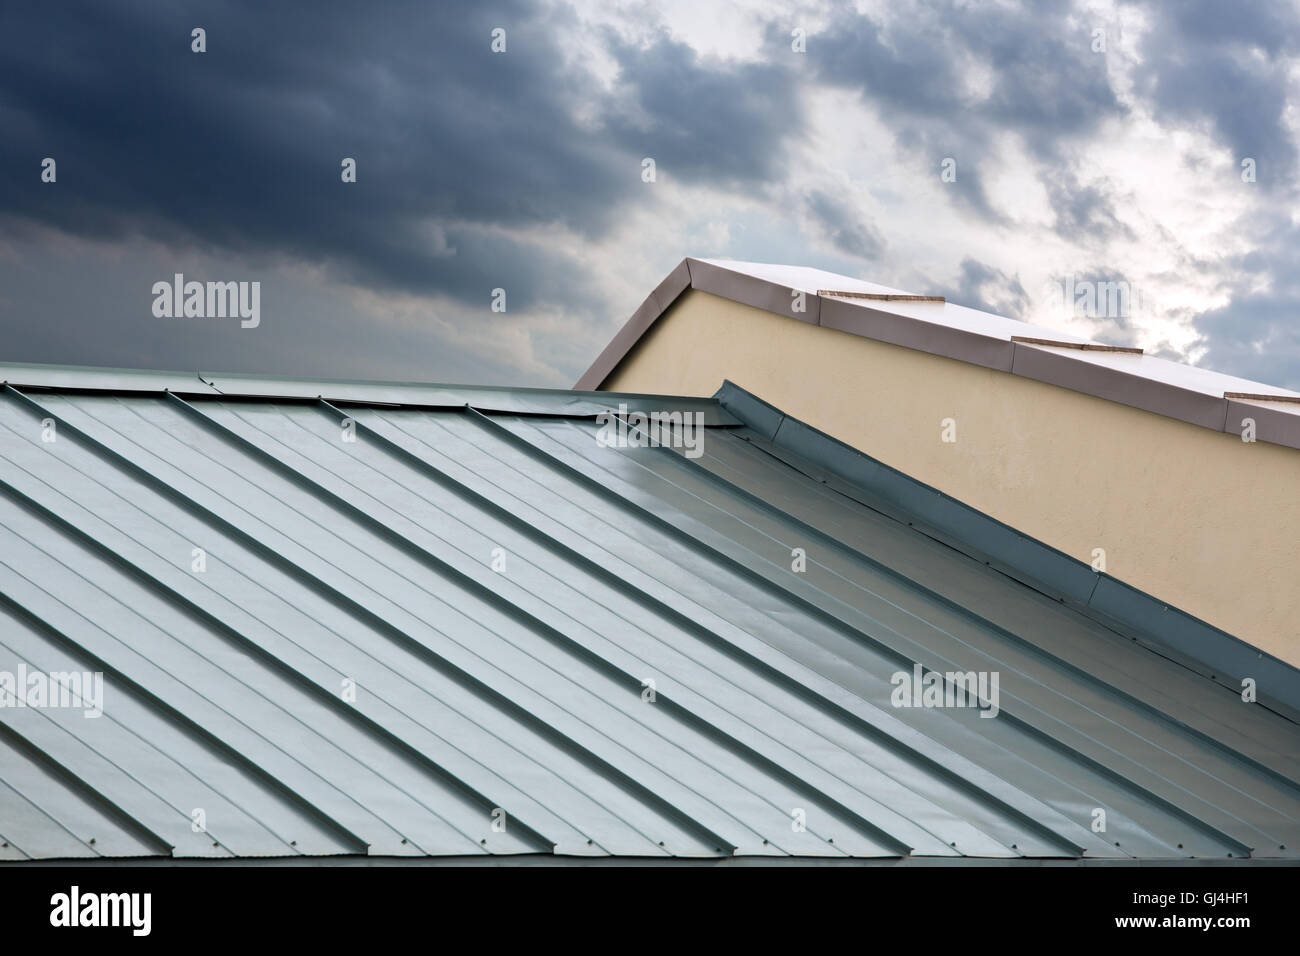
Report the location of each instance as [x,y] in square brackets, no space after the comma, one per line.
[484,840]
[403,841]
[831,840]
[92,841]
[293,843]
[661,842]
[1180,846]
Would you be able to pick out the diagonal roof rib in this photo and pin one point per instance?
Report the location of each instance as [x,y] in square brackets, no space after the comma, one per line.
[645,675]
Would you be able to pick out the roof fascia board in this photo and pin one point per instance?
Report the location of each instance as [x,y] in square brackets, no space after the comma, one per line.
[1271,424]
[1134,613]
[913,333]
[759,293]
[1116,385]
[1022,358]
[655,305]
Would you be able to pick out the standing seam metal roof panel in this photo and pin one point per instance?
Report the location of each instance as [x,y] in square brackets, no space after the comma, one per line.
[389,629]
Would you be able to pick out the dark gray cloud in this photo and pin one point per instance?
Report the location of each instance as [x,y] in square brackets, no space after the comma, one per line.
[982,286]
[950,79]
[239,148]
[1257,334]
[848,232]
[1086,214]
[1227,66]
[230,160]
[716,122]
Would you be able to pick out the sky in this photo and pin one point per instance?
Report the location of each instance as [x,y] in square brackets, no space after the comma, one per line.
[991,152]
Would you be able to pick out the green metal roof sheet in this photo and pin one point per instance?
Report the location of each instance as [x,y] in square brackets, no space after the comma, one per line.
[354,673]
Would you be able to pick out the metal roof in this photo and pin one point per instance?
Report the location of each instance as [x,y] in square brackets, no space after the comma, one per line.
[354,672]
[1183,392]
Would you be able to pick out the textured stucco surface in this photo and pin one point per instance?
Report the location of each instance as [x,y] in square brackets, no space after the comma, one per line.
[1197,518]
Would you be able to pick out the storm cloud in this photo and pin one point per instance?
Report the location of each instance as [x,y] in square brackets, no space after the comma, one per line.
[525,170]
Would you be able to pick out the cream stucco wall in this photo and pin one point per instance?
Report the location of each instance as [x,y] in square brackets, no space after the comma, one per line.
[1197,518]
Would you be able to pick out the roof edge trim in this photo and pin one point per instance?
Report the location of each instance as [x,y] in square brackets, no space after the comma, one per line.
[1134,613]
[884,296]
[647,313]
[1081,346]
[1262,397]
[507,400]
[1024,356]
